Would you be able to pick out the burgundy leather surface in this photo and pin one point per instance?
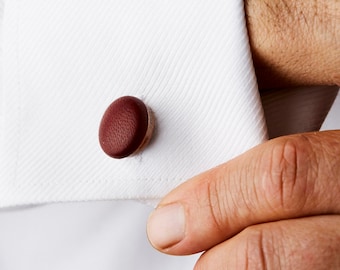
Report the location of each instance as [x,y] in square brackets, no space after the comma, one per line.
[123,127]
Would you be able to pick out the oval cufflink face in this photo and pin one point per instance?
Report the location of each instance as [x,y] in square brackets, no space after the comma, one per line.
[126,127]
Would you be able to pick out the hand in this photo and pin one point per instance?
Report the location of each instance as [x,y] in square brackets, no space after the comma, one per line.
[276,206]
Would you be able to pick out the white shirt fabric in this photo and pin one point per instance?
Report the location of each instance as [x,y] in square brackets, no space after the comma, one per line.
[63,62]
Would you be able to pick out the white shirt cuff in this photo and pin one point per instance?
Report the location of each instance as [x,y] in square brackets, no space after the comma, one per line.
[65,61]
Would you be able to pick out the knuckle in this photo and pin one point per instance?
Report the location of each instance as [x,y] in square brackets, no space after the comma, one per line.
[304,244]
[258,249]
[217,204]
[285,181]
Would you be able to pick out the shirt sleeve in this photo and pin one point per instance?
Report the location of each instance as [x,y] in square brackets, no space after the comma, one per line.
[66,61]
[1,65]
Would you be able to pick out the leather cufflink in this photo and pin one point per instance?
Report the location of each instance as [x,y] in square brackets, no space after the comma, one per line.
[126,127]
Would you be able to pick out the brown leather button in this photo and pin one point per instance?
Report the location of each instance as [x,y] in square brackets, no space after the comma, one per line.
[126,127]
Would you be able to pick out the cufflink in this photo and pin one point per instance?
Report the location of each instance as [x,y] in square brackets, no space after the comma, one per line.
[126,127]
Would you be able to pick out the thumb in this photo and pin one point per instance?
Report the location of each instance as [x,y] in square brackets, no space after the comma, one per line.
[288,177]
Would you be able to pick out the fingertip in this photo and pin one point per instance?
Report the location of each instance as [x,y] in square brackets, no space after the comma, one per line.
[166,226]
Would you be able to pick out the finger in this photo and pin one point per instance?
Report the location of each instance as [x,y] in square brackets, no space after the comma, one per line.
[288,177]
[306,243]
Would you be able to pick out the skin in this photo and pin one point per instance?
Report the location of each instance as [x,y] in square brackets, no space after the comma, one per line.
[295,42]
[276,206]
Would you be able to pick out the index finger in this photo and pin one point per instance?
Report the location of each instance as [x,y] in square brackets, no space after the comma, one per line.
[288,177]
